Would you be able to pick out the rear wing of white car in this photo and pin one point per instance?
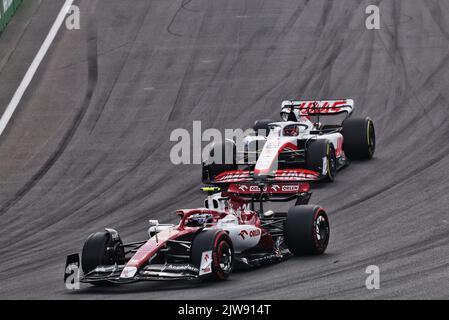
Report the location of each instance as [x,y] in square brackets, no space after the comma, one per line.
[321,107]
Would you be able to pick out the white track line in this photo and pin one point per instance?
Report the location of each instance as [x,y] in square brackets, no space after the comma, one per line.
[7,115]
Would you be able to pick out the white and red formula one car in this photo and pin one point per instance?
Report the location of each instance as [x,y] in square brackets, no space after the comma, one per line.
[210,242]
[312,142]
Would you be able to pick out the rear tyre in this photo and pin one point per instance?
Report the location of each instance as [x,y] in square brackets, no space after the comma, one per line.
[261,127]
[359,138]
[216,165]
[101,250]
[321,158]
[307,230]
[222,252]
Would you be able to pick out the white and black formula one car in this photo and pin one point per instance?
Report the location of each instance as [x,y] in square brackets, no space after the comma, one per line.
[313,141]
[209,242]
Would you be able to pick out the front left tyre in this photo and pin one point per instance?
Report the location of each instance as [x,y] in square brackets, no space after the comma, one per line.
[262,127]
[222,158]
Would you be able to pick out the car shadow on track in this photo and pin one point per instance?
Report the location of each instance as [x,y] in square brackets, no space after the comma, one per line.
[141,287]
[159,286]
[184,285]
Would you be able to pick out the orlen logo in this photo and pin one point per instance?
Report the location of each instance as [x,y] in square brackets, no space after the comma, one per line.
[252,233]
[256,189]
[273,188]
[290,188]
[243,234]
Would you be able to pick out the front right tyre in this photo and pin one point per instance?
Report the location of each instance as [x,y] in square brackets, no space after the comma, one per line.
[321,158]
[359,138]
[307,230]
[222,252]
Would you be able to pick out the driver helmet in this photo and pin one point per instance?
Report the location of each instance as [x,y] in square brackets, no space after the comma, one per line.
[199,220]
[291,131]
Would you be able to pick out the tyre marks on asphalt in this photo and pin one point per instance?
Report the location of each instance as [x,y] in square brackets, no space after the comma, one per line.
[14,103]
[378,209]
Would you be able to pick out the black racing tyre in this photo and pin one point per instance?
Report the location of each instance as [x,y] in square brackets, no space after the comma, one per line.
[359,138]
[227,162]
[220,244]
[307,230]
[262,126]
[322,153]
[95,253]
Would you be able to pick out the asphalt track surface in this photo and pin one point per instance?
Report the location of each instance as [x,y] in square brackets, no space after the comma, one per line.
[89,146]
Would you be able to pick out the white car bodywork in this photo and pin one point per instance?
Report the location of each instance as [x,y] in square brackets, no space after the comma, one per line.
[266,160]
[276,142]
[243,236]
